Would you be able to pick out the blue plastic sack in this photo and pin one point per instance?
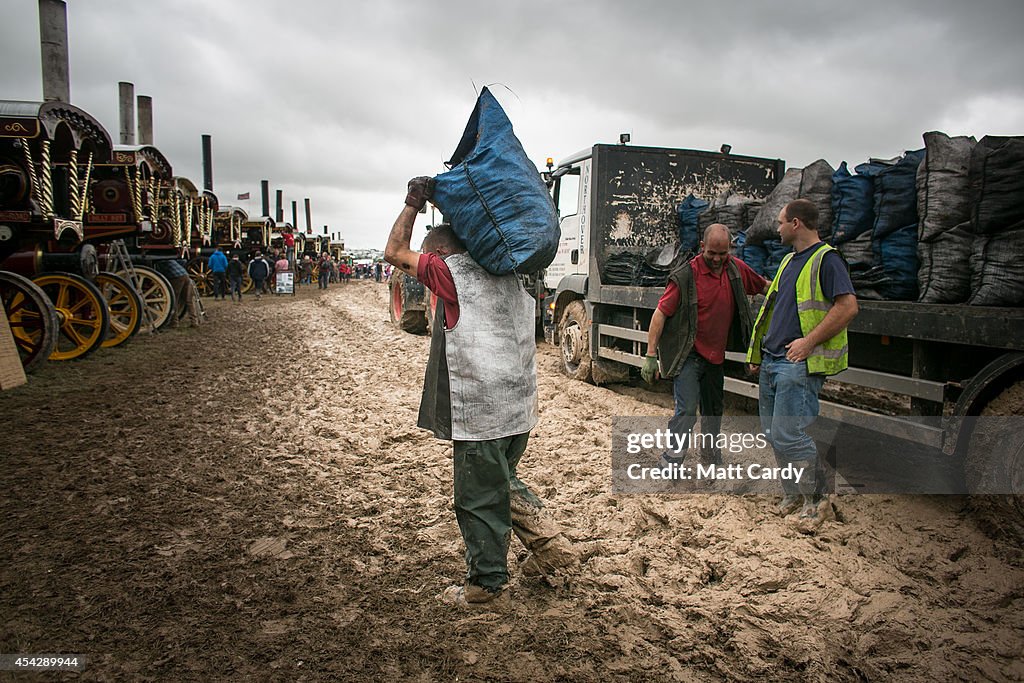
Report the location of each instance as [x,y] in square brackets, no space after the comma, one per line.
[897,254]
[896,195]
[494,197]
[754,255]
[687,212]
[853,209]
[776,252]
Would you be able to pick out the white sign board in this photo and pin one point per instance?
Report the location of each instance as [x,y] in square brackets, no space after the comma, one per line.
[285,283]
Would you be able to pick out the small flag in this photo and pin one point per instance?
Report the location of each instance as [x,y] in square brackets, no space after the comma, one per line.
[244,195]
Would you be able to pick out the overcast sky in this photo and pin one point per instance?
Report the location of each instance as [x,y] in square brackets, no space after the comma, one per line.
[343,102]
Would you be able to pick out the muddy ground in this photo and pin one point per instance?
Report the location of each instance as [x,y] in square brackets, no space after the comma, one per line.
[251,501]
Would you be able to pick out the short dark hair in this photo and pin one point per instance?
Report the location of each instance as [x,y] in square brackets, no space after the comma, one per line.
[805,210]
[442,235]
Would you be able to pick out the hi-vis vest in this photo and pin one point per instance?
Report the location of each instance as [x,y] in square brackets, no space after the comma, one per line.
[812,306]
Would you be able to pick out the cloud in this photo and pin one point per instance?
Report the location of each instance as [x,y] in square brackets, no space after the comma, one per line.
[343,102]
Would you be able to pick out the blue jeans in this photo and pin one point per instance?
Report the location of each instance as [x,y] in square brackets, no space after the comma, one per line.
[788,405]
[698,384]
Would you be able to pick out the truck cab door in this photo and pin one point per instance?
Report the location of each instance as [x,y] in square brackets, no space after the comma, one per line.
[568,195]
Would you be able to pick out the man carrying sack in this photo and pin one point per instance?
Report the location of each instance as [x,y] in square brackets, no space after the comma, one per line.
[480,392]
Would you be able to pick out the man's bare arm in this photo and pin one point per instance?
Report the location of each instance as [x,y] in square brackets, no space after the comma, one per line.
[398,252]
[654,331]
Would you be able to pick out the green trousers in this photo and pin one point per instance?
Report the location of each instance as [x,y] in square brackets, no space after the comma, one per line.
[486,489]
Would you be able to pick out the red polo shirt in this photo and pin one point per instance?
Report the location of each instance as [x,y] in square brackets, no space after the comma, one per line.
[714,304]
[433,272]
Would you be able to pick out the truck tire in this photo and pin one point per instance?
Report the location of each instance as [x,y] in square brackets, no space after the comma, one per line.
[405,319]
[574,336]
[995,465]
[429,310]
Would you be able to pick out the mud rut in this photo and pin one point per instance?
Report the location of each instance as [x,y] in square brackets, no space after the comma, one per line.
[252,500]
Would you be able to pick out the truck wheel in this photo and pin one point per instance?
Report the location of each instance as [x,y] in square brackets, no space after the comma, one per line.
[995,465]
[429,310]
[412,321]
[574,333]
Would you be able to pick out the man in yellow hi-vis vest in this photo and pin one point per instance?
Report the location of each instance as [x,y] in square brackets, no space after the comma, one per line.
[799,339]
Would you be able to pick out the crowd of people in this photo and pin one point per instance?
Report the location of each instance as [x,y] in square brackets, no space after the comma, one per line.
[227,274]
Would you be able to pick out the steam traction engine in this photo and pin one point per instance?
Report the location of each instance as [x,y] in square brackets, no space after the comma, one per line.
[48,153]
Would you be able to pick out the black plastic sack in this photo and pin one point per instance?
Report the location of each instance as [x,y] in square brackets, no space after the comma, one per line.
[943,197]
[997,278]
[944,276]
[858,253]
[729,209]
[494,197]
[997,184]
[813,183]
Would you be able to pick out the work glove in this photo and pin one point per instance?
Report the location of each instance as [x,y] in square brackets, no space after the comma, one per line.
[421,189]
[650,369]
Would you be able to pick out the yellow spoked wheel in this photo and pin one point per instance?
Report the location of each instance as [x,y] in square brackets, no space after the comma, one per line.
[124,307]
[81,312]
[201,275]
[157,294]
[247,283]
[32,318]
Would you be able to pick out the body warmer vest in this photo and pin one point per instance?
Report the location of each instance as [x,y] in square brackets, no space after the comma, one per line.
[828,358]
[481,378]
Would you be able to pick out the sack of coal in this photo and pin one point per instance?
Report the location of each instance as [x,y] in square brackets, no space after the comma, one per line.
[494,197]
[944,273]
[895,205]
[943,197]
[813,183]
[853,204]
[996,179]
[688,213]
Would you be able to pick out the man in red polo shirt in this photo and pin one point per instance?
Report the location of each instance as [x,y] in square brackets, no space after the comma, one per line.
[480,393]
[703,311]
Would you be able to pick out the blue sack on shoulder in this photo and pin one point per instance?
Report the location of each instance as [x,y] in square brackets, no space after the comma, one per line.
[494,198]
